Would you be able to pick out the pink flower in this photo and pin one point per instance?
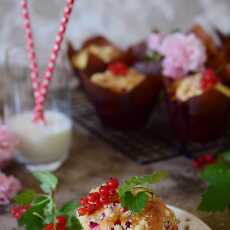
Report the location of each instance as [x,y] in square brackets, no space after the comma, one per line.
[9,187]
[182,53]
[154,41]
[8,145]
[197,53]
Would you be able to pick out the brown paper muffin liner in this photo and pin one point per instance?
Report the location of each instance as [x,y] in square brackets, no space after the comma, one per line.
[126,110]
[202,118]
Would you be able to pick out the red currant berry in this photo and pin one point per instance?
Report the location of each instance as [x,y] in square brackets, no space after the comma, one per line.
[93,197]
[18,212]
[104,190]
[49,227]
[209,79]
[90,208]
[83,201]
[98,204]
[61,220]
[118,68]
[112,193]
[204,160]
[104,199]
[82,211]
[208,157]
[113,183]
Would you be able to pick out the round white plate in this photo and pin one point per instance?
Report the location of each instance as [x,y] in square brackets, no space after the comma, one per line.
[186,219]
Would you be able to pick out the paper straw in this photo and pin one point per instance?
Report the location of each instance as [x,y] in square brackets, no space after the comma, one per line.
[41,88]
[30,46]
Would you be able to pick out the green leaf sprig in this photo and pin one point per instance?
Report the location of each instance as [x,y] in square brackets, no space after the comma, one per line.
[134,195]
[43,209]
[216,198]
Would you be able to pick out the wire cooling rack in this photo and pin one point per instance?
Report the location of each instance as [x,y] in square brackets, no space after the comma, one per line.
[152,143]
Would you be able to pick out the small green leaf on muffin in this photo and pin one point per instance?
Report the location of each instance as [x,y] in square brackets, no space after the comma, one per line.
[132,194]
[135,203]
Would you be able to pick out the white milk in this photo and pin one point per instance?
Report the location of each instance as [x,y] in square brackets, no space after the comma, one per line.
[42,144]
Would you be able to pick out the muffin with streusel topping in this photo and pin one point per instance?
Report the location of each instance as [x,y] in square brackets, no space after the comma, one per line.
[119,92]
[105,208]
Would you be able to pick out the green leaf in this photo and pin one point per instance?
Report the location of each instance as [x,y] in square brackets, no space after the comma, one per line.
[33,218]
[74,224]
[132,194]
[135,181]
[217,173]
[226,156]
[40,200]
[69,209]
[216,198]
[48,181]
[49,213]
[135,203]
[26,197]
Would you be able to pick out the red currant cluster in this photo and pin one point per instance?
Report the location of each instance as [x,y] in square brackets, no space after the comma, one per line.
[209,79]
[61,224]
[204,160]
[118,69]
[107,194]
[18,211]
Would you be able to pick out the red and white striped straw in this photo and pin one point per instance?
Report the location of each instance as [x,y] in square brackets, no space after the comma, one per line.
[30,46]
[41,88]
[42,93]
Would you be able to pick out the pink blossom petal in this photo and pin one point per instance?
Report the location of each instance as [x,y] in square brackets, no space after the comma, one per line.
[154,41]
[9,187]
[182,54]
[8,144]
[4,199]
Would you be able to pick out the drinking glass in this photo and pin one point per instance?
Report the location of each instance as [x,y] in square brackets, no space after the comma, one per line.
[41,146]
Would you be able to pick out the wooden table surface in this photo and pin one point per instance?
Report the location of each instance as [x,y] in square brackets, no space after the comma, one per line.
[91,162]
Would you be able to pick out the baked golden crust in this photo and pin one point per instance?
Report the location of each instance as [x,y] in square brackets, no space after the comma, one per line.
[116,83]
[157,216]
[106,53]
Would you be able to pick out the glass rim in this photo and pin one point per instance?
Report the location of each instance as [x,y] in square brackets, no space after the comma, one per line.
[42,59]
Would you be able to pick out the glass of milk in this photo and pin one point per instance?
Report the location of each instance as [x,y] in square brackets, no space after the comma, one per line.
[42,146]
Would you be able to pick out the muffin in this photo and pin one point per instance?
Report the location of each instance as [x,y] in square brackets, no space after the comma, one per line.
[95,54]
[217,52]
[109,212]
[199,107]
[198,103]
[119,92]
